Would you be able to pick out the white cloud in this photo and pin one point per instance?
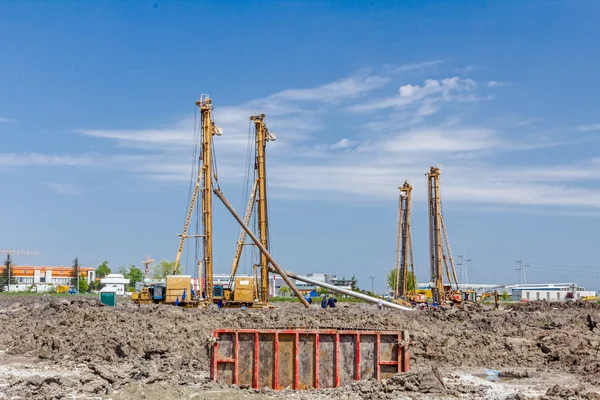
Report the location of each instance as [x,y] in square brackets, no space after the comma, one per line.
[589,128]
[335,91]
[25,159]
[496,83]
[64,188]
[409,94]
[418,66]
[367,155]
[2,119]
[343,144]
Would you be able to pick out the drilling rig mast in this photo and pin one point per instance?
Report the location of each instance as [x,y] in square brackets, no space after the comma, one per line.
[204,182]
[438,257]
[262,137]
[404,254]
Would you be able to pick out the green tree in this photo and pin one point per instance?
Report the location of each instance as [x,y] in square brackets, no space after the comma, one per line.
[164,268]
[102,270]
[83,285]
[354,283]
[285,292]
[76,272]
[391,280]
[134,274]
[6,272]
[504,295]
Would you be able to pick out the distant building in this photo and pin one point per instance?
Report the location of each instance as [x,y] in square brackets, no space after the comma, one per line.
[549,292]
[116,281]
[44,277]
[477,287]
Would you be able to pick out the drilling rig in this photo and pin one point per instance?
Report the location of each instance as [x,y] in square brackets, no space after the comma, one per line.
[440,257]
[178,288]
[243,291]
[404,251]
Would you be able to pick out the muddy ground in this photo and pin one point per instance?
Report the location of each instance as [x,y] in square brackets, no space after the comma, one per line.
[74,347]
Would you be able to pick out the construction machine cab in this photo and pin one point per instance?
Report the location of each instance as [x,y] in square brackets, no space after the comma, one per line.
[158,292]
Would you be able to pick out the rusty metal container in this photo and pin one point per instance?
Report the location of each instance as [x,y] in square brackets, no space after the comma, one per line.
[306,358]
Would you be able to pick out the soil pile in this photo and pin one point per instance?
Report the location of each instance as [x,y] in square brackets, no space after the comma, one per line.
[108,348]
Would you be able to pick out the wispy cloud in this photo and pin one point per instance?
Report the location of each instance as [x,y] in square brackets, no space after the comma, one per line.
[589,128]
[336,91]
[327,146]
[26,159]
[412,67]
[409,94]
[63,188]
[3,119]
[496,83]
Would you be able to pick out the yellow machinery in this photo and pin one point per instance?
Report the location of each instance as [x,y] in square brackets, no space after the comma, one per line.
[254,291]
[176,286]
[470,296]
[62,289]
[404,251]
[177,291]
[438,257]
[204,182]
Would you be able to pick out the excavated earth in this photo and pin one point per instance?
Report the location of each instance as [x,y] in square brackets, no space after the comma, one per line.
[74,347]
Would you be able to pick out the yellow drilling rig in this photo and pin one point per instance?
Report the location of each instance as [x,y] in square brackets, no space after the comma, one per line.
[404,251]
[241,291]
[178,288]
[439,246]
[253,292]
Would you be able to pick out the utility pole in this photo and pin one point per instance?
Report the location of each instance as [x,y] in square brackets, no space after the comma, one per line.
[372,287]
[464,267]
[521,269]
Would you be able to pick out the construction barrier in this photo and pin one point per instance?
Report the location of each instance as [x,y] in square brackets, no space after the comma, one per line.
[306,358]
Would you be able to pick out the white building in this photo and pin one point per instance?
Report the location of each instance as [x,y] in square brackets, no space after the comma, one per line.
[549,292]
[116,281]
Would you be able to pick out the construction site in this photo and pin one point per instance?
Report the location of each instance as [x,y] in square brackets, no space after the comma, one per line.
[175,339]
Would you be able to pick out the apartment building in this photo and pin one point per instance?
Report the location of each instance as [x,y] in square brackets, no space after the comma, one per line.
[46,275]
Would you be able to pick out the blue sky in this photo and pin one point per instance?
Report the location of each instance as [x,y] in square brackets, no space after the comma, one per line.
[96,128]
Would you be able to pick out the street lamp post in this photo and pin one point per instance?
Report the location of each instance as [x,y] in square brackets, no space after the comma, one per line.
[372,290]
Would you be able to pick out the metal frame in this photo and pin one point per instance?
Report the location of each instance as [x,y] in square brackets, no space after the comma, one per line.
[401,359]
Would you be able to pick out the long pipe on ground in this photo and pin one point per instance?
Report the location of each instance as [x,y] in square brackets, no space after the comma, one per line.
[347,292]
[286,274]
[261,247]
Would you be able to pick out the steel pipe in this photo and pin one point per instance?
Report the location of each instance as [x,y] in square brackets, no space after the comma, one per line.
[340,290]
[262,248]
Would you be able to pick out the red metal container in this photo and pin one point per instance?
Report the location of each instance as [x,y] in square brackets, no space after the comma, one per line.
[306,358]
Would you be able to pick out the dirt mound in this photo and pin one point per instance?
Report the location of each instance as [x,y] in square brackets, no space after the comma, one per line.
[113,347]
[540,305]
